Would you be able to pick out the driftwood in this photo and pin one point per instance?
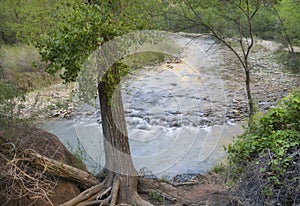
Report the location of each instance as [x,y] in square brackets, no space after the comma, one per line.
[53,167]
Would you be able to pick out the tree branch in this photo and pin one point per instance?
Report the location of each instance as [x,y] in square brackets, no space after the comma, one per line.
[220,37]
[287,38]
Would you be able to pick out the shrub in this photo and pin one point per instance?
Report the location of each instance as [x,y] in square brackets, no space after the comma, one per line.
[290,61]
[276,131]
[11,98]
[265,158]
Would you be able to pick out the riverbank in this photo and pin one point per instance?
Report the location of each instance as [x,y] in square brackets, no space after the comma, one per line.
[43,187]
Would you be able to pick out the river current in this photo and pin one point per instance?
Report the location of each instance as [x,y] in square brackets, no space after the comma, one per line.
[175,113]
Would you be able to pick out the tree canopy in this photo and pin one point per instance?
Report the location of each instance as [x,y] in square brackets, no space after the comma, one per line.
[87,26]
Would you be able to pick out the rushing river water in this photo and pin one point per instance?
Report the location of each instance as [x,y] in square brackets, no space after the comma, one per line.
[175,113]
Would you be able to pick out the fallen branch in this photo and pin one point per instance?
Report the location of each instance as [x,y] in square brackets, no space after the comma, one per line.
[53,167]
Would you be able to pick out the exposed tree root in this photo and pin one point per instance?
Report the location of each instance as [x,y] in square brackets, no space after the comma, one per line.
[99,197]
[114,192]
[107,195]
[85,196]
[110,192]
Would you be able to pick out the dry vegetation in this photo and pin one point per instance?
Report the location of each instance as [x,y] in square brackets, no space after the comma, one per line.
[22,65]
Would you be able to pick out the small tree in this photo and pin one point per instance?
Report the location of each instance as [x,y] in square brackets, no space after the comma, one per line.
[228,21]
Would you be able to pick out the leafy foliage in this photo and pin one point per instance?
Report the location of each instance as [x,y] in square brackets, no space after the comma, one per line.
[264,161]
[155,197]
[75,37]
[291,61]
[289,11]
[274,133]
[24,21]
[265,24]
[87,26]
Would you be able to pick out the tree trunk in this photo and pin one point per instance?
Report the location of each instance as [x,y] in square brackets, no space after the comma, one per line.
[249,96]
[121,173]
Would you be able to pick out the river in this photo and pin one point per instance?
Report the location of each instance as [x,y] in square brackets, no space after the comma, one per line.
[179,114]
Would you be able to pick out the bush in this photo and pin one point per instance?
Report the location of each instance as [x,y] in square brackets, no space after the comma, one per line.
[266,157]
[277,131]
[290,61]
[11,98]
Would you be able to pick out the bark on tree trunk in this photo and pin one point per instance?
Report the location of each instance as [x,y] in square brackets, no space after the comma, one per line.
[249,96]
[121,174]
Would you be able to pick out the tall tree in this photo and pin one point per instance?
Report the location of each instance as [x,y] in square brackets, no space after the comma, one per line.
[90,24]
[226,20]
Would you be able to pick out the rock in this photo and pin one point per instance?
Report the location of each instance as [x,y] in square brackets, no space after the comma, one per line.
[236,112]
[174,112]
[205,119]
[175,123]
[54,114]
[147,119]
[155,122]
[144,126]
[170,66]
[90,113]
[63,192]
[47,145]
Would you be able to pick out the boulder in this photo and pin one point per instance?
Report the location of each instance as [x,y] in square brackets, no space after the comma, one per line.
[48,145]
